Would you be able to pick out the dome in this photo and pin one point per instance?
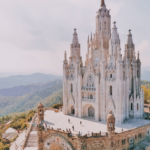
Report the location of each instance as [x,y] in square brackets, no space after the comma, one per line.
[40,105]
[110,117]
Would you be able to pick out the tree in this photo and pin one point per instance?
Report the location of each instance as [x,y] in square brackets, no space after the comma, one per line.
[146,93]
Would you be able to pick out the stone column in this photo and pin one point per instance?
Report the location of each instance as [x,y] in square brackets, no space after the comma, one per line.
[97,99]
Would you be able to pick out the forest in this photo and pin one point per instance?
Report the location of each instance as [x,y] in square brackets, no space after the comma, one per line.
[19,123]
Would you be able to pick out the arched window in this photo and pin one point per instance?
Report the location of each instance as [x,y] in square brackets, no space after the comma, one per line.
[110,90]
[123,74]
[110,75]
[131,106]
[91,96]
[82,95]
[71,87]
[137,106]
[71,75]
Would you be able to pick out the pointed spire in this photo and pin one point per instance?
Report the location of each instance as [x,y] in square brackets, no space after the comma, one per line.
[114,35]
[129,40]
[88,39]
[75,39]
[91,36]
[103,3]
[114,27]
[65,55]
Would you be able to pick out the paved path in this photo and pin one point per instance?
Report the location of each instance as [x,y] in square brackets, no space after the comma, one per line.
[16,145]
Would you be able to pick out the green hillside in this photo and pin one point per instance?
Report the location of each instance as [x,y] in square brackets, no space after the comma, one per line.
[48,97]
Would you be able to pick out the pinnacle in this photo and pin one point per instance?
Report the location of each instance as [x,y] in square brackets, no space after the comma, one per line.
[103,3]
[129,40]
[75,38]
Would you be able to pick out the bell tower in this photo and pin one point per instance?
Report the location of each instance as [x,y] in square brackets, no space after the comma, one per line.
[40,110]
[110,123]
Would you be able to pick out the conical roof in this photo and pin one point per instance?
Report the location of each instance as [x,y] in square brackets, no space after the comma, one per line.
[75,39]
[129,39]
[114,35]
[40,105]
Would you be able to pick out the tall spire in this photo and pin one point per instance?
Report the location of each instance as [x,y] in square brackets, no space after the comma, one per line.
[75,39]
[91,36]
[129,40]
[65,55]
[114,35]
[103,3]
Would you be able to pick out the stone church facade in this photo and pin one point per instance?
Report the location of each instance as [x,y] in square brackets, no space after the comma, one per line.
[108,82]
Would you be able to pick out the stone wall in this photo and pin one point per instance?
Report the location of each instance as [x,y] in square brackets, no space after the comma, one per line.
[108,141]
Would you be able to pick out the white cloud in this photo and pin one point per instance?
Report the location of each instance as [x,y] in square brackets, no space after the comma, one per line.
[35,33]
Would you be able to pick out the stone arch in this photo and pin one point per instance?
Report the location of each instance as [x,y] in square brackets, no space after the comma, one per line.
[88,111]
[71,110]
[57,141]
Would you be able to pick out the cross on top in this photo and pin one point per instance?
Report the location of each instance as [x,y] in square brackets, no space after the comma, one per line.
[129,30]
[114,22]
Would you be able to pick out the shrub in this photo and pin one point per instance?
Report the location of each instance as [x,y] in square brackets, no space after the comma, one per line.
[23,126]
[57,106]
[6,148]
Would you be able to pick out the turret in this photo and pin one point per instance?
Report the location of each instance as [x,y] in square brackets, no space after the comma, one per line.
[110,123]
[114,44]
[129,47]
[103,26]
[40,110]
[75,42]
[75,46]
[65,58]
[129,39]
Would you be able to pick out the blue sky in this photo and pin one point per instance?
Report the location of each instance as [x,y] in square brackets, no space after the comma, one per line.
[34,34]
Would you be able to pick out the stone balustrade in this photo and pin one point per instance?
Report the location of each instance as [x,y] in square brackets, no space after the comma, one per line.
[88,89]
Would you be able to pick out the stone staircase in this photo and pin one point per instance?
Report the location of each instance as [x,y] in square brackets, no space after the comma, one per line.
[32,141]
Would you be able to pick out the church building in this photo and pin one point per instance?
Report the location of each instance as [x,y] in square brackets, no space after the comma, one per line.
[108,81]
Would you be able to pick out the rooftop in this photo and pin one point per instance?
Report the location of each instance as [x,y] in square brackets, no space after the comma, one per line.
[59,120]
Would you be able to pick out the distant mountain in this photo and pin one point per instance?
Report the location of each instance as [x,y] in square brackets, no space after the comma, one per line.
[26,89]
[18,80]
[145,75]
[48,96]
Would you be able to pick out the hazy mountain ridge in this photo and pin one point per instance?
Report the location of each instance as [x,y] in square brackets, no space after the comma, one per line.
[14,81]
[145,75]
[31,100]
[23,90]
